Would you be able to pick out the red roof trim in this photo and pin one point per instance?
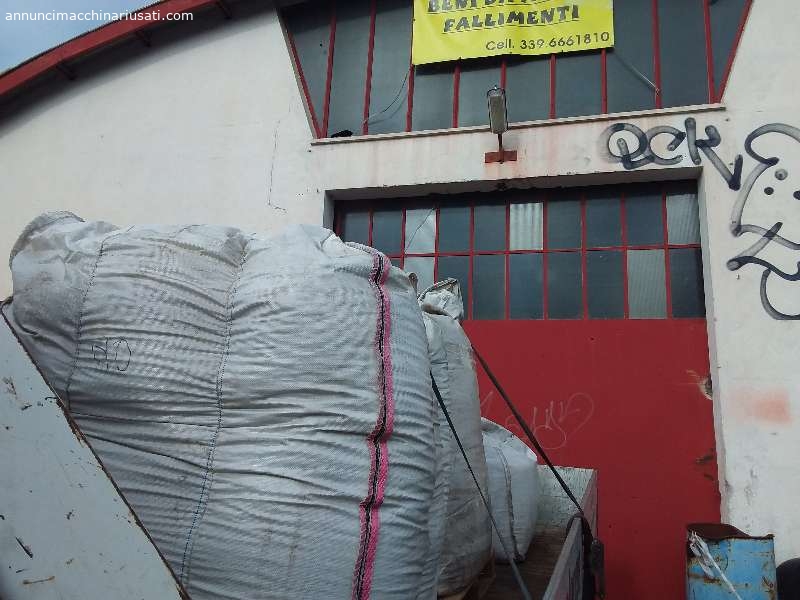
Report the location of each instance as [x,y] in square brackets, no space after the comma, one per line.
[93,40]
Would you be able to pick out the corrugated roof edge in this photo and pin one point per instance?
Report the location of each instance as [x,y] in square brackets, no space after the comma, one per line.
[92,40]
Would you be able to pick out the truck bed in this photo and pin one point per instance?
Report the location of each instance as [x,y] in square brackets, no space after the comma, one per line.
[552,569]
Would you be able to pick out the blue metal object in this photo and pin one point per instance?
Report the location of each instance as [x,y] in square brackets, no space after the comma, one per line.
[723,563]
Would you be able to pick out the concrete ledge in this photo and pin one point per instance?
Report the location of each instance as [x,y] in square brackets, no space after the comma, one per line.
[697,108]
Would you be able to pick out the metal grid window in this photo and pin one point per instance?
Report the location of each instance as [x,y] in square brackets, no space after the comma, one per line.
[622,252]
[354,62]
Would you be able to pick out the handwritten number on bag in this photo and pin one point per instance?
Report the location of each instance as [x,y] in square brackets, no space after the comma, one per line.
[113,353]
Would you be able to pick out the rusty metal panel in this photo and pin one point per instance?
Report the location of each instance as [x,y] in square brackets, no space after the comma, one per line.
[65,529]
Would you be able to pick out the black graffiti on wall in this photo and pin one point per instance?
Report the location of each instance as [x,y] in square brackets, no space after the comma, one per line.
[644,153]
[771,234]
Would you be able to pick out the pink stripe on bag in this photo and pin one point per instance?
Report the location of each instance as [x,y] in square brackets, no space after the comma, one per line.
[378,437]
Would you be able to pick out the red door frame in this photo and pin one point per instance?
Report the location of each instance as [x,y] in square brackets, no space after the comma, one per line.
[623,396]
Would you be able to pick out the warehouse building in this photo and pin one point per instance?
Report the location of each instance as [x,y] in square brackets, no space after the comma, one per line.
[630,272]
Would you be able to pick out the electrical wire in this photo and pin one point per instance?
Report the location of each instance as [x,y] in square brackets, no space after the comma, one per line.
[396,98]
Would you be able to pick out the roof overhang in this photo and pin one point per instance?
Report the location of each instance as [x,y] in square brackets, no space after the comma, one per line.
[59,57]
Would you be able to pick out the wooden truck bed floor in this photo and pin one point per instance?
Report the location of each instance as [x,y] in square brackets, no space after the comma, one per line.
[536,571]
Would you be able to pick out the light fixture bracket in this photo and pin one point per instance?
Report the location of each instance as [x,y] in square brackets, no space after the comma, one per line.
[498,124]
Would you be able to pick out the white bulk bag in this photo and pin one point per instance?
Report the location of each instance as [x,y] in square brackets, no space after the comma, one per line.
[262,402]
[513,489]
[467,536]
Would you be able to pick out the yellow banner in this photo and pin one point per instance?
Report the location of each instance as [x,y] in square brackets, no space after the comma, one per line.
[453,29]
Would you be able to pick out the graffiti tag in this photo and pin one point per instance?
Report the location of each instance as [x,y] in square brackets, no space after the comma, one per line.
[768,235]
[645,152]
[555,423]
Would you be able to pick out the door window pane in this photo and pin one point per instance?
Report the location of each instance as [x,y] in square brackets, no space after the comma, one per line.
[477,77]
[422,266]
[388,96]
[355,226]
[528,83]
[604,280]
[684,80]
[489,287]
[578,84]
[725,18]
[420,230]
[564,224]
[564,300]
[683,223]
[603,223]
[647,291]
[312,31]
[643,216]
[456,267]
[433,97]
[454,228]
[525,287]
[686,279]
[387,229]
[490,227]
[630,61]
[349,66]
[525,226]
[508,263]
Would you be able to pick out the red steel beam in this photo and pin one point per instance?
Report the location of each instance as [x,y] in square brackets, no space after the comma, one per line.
[92,40]
[584,261]
[410,100]
[326,111]
[624,227]
[656,53]
[667,270]
[545,291]
[370,55]
[603,81]
[552,86]
[507,257]
[709,50]
[456,93]
[438,209]
[304,84]
[468,313]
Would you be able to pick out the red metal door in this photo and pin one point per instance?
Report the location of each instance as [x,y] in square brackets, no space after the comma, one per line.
[587,304]
[621,397]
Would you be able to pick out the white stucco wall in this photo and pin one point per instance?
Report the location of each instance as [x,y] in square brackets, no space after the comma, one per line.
[203,119]
[757,382]
[185,132]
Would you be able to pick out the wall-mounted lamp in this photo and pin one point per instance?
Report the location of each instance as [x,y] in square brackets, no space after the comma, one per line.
[498,123]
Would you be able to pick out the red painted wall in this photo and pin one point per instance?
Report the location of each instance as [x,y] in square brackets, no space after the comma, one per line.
[624,397]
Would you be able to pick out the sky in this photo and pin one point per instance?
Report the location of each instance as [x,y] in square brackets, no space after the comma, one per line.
[20,40]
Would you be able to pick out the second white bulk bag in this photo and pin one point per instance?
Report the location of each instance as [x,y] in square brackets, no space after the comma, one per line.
[513,489]
[467,542]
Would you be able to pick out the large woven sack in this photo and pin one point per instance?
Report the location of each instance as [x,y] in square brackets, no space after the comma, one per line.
[513,490]
[262,402]
[467,541]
